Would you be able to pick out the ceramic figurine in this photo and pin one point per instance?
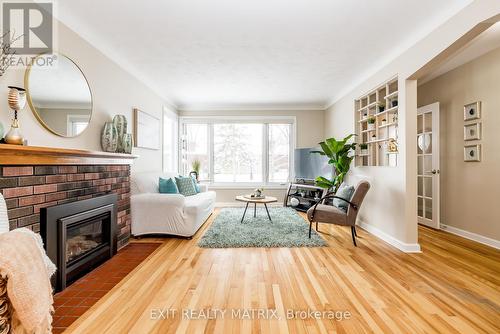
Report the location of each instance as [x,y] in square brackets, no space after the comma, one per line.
[17,101]
[109,137]
[120,122]
[127,143]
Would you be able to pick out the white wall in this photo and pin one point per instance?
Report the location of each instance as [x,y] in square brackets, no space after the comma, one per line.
[114,90]
[390,207]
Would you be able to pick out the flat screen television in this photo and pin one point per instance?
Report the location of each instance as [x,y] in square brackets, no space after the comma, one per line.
[308,166]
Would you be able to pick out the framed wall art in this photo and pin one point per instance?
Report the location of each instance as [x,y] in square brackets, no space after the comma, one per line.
[147,130]
[472,111]
[472,131]
[472,153]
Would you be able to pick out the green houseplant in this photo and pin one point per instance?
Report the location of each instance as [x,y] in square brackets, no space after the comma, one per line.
[371,123]
[339,154]
[196,165]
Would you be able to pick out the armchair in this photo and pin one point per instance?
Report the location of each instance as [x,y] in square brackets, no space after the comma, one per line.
[329,214]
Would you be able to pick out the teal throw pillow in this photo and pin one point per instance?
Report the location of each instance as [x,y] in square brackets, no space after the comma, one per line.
[345,192]
[168,186]
[185,186]
[196,185]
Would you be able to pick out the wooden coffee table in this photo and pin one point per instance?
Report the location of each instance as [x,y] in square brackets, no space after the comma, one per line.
[255,201]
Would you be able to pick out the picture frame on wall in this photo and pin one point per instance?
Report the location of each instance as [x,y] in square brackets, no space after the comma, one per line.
[472,131]
[472,111]
[147,130]
[472,153]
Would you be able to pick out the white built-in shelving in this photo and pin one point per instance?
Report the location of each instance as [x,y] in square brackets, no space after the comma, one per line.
[381,106]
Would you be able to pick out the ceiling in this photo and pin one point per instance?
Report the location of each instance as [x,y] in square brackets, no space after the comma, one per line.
[224,54]
[482,44]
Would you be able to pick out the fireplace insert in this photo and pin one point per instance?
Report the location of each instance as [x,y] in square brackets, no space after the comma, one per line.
[79,236]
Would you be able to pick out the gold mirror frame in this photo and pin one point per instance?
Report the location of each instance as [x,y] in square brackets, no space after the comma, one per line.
[32,107]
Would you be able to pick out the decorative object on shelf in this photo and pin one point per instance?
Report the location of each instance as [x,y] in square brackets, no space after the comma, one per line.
[472,131]
[394,118]
[120,122]
[383,122]
[146,130]
[59,96]
[371,124]
[472,153]
[364,148]
[258,193]
[196,166]
[339,154]
[109,137]
[17,102]
[294,201]
[374,137]
[394,103]
[127,143]
[365,116]
[472,111]
[392,145]
[381,106]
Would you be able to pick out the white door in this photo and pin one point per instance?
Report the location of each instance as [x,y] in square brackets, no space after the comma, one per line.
[428,165]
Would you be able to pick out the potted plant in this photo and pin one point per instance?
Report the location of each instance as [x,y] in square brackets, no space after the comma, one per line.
[196,165]
[339,154]
[364,149]
[381,106]
[383,122]
[371,123]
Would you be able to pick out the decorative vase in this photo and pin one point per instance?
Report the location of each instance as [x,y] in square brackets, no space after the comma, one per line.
[371,126]
[120,122]
[394,103]
[17,101]
[127,143]
[109,137]
[364,151]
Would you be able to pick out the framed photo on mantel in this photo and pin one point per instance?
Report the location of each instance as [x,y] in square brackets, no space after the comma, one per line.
[147,130]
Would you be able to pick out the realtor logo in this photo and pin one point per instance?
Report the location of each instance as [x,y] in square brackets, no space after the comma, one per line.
[29,25]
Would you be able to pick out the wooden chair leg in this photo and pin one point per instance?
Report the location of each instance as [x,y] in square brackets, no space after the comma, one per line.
[310,229]
[316,226]
[353,232]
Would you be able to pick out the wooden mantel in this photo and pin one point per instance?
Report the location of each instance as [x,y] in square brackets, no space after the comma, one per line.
[33,155]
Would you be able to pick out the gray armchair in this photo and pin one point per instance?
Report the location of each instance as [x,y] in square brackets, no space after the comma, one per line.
[329,214]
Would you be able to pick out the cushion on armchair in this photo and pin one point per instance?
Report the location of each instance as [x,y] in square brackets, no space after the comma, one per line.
[346,192]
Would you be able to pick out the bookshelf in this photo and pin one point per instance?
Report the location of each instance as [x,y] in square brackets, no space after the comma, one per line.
[376,115]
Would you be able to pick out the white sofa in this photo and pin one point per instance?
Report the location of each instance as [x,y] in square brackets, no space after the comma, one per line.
[173,214]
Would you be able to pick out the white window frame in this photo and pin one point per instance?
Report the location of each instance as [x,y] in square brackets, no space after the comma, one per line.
[265,120]
[167,113]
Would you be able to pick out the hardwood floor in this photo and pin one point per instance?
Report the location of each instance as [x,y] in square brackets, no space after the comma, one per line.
[452,287]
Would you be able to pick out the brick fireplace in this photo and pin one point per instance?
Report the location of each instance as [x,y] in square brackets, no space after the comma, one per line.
[32,178]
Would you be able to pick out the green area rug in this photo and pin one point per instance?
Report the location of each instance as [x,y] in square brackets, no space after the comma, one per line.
[287,229]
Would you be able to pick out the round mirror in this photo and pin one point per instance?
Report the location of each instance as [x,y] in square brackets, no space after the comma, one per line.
[59,96]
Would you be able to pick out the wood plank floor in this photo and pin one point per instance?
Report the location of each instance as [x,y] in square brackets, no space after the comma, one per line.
[452,287]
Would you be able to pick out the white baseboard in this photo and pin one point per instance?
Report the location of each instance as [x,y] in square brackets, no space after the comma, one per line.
[407,248]
[471,236]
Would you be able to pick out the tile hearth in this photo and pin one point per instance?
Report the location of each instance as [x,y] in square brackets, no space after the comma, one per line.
[85,292]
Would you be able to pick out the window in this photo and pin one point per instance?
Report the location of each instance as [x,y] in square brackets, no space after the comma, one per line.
[279,152]
[242,150]
[238,152]
[170,130]
[195,148]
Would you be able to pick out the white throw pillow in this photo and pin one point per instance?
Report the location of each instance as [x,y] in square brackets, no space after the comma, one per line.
[4,219]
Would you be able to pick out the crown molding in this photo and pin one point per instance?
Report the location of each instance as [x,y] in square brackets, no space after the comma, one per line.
[252,107]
